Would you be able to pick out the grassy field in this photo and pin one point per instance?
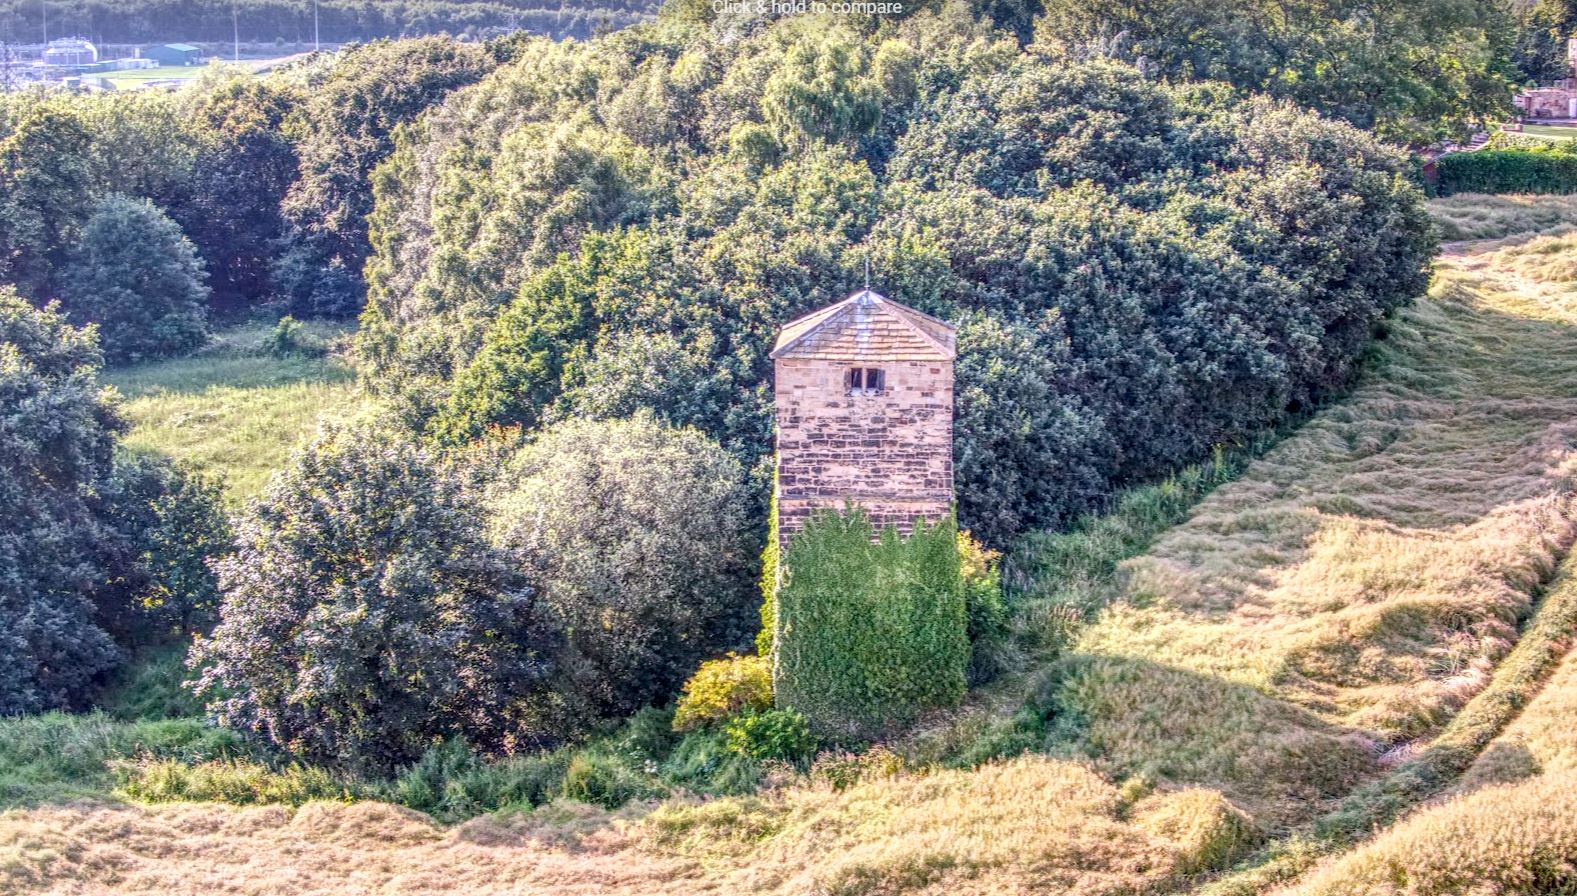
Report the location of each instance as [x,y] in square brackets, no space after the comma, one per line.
[235,409]
[1248,664]
[126,79]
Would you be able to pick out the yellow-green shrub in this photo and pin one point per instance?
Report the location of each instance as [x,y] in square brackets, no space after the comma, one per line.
[774,734]
[724,687]
[985,611]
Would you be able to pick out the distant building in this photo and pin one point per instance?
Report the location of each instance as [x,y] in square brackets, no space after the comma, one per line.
[174,54]
[864,403]
[71,51]
[1558,100]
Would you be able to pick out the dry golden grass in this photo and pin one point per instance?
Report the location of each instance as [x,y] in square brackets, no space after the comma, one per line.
[1515,840]
[1510,824]
[1475,216]
[1357,585]
[1032,825]
[1543,738]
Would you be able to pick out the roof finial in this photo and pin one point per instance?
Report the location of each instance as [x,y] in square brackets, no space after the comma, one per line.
[867,270]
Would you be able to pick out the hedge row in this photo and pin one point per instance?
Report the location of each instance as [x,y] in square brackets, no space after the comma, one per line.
[1506,171]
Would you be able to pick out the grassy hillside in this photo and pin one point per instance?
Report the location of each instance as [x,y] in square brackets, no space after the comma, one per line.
[1316,620]
[235,409]
[1378,590]
[1509,825]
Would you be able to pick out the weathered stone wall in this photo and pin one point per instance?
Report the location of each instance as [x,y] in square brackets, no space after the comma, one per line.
[1547,102]
[890,452]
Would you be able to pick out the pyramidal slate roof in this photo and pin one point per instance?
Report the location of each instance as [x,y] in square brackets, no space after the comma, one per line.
[866,326]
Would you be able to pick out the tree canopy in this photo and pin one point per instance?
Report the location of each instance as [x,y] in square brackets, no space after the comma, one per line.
[139,279]
[365,617]
[98,554]
[1140,271]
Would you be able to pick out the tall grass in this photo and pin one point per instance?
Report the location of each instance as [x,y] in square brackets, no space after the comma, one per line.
[1475,216]
[1356,585]
[1511,839]
[55,757]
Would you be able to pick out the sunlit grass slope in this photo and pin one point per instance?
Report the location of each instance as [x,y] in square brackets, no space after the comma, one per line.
[1337,604]
[1510,823]
[1027,826]
[1543,738]
[234,408]
[1475,216]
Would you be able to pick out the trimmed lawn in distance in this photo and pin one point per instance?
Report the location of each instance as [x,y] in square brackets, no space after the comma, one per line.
[1546,132]
[136,77]
[234,409]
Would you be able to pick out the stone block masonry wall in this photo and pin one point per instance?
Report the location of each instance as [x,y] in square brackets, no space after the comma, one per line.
[889,451]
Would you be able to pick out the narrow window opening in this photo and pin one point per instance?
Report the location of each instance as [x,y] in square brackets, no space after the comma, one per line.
[866,379]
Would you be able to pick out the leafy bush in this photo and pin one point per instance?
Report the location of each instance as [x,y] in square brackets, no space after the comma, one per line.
[165,522]
[869,634]
[985,612]
[637,536]
[57,440]
[1507,171]
[365,617]
[137,276]
[98,554]
[771,734]
[288,337]
[605,781]
[1139,271]
[722,688]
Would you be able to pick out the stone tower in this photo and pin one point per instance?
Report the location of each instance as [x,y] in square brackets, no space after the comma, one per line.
[864,400]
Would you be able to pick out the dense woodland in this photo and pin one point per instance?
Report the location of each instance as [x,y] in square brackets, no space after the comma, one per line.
[568,260]
[291,21]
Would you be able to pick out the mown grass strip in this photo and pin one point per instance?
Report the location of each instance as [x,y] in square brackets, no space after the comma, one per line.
[1545,640]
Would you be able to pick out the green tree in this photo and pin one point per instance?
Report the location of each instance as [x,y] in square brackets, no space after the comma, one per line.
[163,525]
[45,197]
[58,440]
[1413,71]
[245,162]
[638,536]
[99,555]
[348,128]
[365,617]
[1142,270]
[139,279]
